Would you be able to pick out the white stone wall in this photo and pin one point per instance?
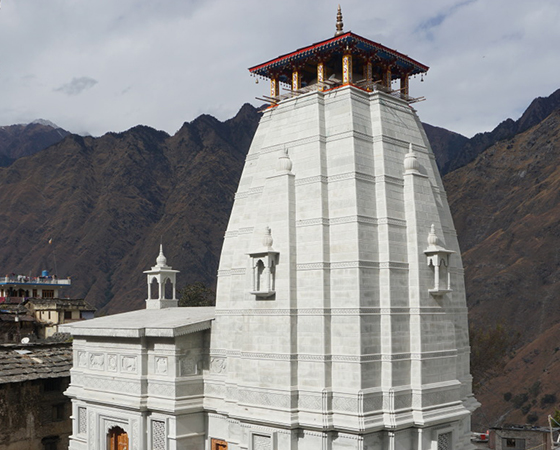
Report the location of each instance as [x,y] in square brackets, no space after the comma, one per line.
[151,388]
[352,340]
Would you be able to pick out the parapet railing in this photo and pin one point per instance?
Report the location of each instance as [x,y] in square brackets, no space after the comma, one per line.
[21,279]
[333,83]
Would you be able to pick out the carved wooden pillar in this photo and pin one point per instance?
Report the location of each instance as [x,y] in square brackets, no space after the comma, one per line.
[368,74]
[387,76]
[404,84]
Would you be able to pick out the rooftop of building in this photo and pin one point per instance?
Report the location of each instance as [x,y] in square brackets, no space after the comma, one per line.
[26,362]
[29,281]
[167,322]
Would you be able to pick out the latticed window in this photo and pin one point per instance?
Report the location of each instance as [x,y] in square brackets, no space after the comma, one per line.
[82,420]
[158,435]
[444,441]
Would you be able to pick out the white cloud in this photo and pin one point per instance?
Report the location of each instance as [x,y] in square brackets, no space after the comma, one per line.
[77,86]
[163,63]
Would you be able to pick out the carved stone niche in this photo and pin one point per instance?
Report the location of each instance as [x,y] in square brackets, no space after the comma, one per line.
[438,260]
[263,265]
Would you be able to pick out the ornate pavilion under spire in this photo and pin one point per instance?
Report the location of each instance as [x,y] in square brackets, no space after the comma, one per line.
[345,59]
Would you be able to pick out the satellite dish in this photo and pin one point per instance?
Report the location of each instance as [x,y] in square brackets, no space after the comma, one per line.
[25,340]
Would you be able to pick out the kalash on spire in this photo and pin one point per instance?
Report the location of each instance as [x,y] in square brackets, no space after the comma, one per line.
[345,59]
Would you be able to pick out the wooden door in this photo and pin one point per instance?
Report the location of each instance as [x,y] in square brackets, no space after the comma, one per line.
[118,439]
[218,444]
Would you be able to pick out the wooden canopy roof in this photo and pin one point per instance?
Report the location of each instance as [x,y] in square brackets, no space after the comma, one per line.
[329,50]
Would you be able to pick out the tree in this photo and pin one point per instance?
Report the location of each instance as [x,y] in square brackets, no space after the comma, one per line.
[489,348]
[197,294]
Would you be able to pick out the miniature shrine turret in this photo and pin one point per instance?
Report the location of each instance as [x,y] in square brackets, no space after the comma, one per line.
[161,284]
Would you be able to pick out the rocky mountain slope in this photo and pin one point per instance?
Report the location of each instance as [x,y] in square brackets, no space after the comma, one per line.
[454,150]
[107,202]
[27,139]
[506,207]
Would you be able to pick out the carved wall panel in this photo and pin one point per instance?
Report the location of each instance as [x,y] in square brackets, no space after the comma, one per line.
[97,361]
[82,359]
[217,364]
[161,365]
[112,364]
[129,364]
[261,442]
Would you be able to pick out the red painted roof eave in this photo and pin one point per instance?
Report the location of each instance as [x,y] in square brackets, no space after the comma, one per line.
[333,39]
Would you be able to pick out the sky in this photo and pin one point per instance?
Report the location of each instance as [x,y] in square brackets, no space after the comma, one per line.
[107,65]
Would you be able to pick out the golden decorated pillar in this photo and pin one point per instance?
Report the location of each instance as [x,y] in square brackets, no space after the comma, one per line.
[321,75]
[347,68]
[296,79]
[274,87]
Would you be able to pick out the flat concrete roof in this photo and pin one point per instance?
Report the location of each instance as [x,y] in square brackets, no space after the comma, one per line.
[167,322]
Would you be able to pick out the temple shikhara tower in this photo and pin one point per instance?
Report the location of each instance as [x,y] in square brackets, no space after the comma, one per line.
[340,318]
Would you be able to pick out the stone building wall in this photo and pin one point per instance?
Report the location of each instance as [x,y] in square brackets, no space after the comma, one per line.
[35,415]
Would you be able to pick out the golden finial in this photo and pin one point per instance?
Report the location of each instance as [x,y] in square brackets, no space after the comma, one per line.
[339,23]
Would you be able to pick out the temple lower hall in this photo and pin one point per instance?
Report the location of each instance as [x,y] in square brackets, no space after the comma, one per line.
[340,318]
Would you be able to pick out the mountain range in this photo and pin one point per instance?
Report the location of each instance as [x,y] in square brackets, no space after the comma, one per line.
[106,203]
[26,139]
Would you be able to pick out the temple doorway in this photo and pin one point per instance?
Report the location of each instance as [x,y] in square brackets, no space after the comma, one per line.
[118,439]
[218,445]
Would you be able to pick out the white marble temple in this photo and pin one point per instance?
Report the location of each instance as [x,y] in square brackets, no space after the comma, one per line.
[340,321]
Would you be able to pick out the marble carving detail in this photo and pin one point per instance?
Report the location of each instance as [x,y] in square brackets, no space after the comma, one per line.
[112,363]
[111,385]
[161,365]
[82,359]
[217,365]
[261,442]
[128,364]
[97,361]
[82,420]
[158,435]
[444,441]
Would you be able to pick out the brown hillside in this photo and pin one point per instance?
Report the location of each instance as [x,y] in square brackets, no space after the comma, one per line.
[106,203]
[27,139]
[506,208]
[525,390]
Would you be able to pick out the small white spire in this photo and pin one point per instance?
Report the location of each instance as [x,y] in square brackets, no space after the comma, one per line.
[284,163]
[161,260]
[267,239]
[411,164]
[433,240]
